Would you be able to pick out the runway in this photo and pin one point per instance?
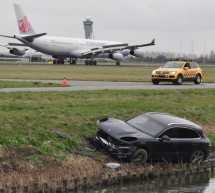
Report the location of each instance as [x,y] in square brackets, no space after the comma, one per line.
[102,85]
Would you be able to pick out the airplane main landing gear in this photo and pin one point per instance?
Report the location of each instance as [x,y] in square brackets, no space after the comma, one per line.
[58,61]
[90,62]
[117,63]
[73,61]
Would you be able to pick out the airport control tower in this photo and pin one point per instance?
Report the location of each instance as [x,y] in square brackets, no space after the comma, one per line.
[88,28]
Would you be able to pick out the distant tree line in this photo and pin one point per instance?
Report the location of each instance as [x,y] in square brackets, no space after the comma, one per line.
[161,57]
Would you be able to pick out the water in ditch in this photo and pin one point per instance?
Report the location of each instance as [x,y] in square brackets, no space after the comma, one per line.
[203,182]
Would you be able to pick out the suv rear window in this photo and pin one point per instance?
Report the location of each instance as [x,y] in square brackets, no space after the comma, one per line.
[193,65]
[182,133]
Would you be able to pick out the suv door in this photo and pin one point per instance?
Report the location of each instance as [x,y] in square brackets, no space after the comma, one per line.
[187,71]
[182,142]
[188,141]
[171,151]
[194,70]
[165,149]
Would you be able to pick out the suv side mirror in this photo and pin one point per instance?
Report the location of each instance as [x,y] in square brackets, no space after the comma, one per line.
[164,138]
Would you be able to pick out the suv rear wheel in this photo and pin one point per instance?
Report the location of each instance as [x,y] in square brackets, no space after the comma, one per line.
[197,156]
[198,79]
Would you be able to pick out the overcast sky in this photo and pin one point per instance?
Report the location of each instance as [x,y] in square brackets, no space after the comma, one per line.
[180,26]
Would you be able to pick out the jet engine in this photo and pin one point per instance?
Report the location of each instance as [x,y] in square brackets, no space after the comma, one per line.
[116,56]
[17,52]
[137,52]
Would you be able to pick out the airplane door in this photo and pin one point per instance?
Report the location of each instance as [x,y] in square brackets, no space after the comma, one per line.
[53,43]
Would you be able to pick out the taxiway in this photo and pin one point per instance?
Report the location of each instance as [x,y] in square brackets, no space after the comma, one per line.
[103,85]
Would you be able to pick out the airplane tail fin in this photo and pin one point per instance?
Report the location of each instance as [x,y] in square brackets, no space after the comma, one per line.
[24,25]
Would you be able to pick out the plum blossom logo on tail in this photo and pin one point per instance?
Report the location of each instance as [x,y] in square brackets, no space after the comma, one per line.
[24,24]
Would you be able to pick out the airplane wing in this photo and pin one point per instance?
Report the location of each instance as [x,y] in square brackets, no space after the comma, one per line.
[7,36]
[30,38]
[105,49]
[3,46]
[16,44]
[152,43]
[115,47]
[6,46]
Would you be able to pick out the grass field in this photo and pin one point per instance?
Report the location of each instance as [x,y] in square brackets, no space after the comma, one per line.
[23,84]
[28,119]
[139,73]
[30,151]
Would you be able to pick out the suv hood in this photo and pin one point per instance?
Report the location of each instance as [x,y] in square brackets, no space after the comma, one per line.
[167,69]
[117,129]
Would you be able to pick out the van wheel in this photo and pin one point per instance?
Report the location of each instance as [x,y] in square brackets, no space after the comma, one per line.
[179,80]
[140,156]
[198,79]
[197,156]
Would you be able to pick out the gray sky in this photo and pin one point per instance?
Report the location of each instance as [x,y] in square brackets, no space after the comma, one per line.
[178,26]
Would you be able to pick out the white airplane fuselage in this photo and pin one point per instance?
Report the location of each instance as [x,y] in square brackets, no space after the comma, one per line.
[63,46]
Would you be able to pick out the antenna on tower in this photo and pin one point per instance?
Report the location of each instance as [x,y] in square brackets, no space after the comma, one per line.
[88,28]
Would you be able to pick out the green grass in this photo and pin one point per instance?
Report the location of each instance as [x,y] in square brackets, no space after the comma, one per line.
[139,73]
[24,84]
[28,119]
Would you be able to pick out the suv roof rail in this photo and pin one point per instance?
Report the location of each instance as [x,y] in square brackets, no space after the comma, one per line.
[181,59]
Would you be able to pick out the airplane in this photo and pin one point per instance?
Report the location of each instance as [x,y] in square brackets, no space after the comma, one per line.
[73,48]
[15,51]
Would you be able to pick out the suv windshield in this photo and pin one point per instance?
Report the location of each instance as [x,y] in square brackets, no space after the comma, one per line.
[173,65]
[146,124]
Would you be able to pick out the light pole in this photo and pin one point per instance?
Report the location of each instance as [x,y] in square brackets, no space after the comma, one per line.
[204,53]
[191,49]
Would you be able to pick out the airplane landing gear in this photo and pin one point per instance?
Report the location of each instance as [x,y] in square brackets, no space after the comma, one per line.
[90,62]
[73,61]
[58,61]
[117,63]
